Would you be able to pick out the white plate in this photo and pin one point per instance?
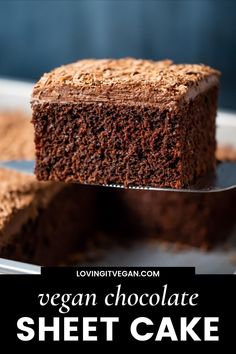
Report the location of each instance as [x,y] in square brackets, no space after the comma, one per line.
[16,94]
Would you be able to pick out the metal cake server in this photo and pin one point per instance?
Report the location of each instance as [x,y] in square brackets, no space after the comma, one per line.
[24,166]
[13,267]
[224,178]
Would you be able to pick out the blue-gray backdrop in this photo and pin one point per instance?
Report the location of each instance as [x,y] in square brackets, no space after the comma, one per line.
[36,36]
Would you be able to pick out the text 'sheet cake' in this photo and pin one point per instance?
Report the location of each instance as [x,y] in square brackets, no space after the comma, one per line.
[130,122]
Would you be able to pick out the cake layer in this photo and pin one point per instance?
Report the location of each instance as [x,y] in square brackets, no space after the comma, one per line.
[129,122]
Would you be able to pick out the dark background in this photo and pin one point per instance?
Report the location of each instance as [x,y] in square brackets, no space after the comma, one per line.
[36,36]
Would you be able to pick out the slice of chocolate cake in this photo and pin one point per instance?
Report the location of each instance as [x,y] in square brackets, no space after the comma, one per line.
[40,222]
[130,122]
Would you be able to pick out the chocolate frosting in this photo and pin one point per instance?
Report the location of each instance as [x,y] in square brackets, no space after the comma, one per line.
[125,80]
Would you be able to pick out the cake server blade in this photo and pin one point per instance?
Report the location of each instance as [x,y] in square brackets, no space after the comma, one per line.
[224,178]
[24,166]
[13,267]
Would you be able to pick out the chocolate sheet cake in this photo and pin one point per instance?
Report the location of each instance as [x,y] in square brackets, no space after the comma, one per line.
[21,198]
[40,222]
[130,122]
